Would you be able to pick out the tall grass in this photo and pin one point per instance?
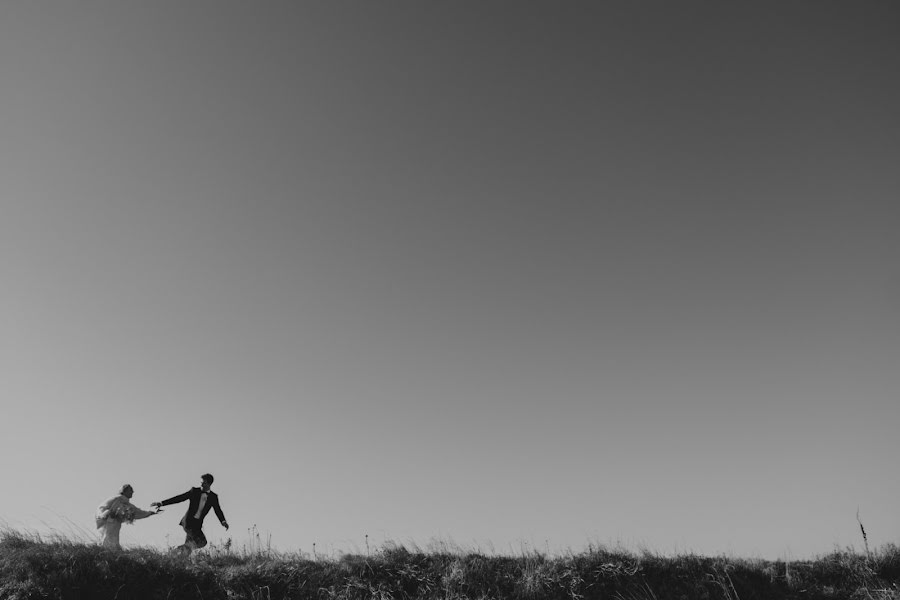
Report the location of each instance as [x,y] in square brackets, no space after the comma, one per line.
[32,567]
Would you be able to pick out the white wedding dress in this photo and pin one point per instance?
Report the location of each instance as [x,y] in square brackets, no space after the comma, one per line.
[110,516]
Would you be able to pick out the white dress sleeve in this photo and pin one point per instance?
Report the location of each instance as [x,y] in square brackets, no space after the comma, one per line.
[104,510]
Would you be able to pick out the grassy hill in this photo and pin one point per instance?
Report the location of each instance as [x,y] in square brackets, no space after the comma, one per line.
[31,568]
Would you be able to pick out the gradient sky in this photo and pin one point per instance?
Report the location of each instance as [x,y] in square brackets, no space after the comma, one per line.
[508,275]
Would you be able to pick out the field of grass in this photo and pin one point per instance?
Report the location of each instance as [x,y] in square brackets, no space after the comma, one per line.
[32,567]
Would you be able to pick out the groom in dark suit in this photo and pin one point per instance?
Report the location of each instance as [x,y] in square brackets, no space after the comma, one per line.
[201,500]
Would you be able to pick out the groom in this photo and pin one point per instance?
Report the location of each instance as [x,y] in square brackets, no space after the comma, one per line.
[201,501]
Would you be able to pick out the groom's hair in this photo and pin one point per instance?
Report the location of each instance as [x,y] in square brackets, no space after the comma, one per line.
[207,477]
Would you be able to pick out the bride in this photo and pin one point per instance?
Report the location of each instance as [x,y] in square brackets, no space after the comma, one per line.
[115,511]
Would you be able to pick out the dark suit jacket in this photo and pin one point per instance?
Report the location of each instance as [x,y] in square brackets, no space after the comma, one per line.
[193,494]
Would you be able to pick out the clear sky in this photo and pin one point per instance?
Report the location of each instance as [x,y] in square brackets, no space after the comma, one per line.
[503,274]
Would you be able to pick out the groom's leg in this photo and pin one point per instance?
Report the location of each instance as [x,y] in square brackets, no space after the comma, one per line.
[188,546]
[199,538]
[194,537]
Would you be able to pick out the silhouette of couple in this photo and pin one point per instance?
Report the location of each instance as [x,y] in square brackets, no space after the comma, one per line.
[119,509]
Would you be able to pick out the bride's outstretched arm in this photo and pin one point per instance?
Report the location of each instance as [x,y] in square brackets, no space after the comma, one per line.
[140,513]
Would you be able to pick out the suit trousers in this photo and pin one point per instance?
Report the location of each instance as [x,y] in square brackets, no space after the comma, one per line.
[193,529]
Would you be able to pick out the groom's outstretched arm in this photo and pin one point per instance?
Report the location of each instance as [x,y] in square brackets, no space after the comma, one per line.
[174,499]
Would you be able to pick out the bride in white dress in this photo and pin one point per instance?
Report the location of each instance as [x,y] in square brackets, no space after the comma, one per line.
[115,511]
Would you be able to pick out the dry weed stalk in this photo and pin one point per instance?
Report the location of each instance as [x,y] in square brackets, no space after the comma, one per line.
[865,537]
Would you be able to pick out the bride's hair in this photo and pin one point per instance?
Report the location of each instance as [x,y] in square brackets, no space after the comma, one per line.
[127,486]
